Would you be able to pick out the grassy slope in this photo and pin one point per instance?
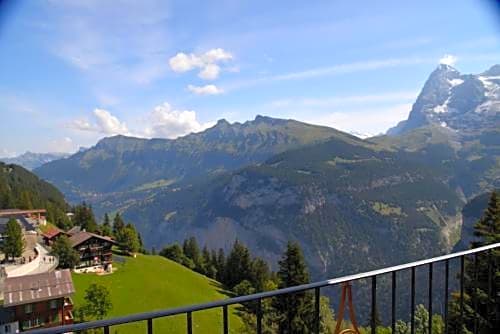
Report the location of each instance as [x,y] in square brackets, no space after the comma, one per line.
[150,283]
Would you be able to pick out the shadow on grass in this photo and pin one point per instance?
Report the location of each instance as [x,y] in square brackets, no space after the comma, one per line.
[120,256]
[220,288]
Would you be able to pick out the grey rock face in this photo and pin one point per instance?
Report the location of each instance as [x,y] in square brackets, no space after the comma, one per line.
[464,103]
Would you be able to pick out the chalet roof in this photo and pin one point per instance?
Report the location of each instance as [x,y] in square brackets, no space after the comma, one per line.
[78,238]
[39,287]
[74,230]
[53,232]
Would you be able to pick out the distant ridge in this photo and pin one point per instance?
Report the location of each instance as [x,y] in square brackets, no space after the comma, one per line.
[122,163]
[30,160]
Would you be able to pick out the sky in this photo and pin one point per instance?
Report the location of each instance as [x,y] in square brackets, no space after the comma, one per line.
[75,71]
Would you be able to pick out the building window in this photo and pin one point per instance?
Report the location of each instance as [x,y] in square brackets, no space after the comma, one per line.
[26,324]
[53,304]
[28,308]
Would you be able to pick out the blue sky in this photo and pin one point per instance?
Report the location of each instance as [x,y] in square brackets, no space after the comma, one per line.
[74,71]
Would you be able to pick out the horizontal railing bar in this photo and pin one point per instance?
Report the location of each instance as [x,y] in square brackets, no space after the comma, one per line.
[248,298]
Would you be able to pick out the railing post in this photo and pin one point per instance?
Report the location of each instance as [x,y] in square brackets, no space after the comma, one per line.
[475,286]
[225,321]
[150,326]
[393,304]
[374,305]
[462,278]
[412,318]
[259,316]
[317,316]
[189,323]
[430,299]
[446,288]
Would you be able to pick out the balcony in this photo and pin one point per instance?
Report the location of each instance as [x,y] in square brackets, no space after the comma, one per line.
[68,302]
[68,317]
[345,282]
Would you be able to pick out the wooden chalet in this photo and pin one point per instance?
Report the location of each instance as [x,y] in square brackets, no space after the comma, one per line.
[38,301]
[94,250]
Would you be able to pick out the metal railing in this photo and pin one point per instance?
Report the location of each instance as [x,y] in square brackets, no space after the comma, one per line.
[258,297]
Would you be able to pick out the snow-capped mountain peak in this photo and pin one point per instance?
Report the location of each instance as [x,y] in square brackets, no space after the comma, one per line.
[462,102]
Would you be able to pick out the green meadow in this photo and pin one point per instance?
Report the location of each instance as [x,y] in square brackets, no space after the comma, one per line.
[148,283]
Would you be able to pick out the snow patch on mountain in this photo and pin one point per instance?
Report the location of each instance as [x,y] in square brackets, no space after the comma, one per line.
[464,102]
[455,82]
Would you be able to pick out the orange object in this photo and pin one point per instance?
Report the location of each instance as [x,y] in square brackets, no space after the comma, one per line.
[346,292]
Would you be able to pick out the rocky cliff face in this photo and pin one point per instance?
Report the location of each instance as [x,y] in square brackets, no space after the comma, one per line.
[465,103]
[352,206]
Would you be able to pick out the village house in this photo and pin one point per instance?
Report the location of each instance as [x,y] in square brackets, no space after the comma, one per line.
[30,219]
[94,250]
[37,301]
[52,234]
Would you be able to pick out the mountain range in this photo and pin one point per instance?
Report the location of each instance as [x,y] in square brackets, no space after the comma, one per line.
[390,198]
[30,160]
[126,164]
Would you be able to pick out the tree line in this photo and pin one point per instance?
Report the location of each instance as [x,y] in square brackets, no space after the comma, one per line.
[241,274]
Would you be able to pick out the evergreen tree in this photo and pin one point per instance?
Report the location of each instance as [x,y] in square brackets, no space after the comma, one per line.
[238,265]
[192,251]
[220,266]
[84,217]
[106,226]
[141,244]
[58,217]
[175,253]
[67,256]
[481,305]
[14,243]
[118,226]
[25,201]
[129,240]
[209,269]
[294,312]
[260,274]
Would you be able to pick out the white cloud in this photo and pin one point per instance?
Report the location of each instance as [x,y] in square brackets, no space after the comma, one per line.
[216,55]
[166,122]
[350,67]
[363,121]
[209,72]
[131,50]
[205,90]
[367,114]
[354,67]
[109,124]
[448,59]
[63,145]
[82,125]
[182,62]
[207,62]
[347,100]
[105,123]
